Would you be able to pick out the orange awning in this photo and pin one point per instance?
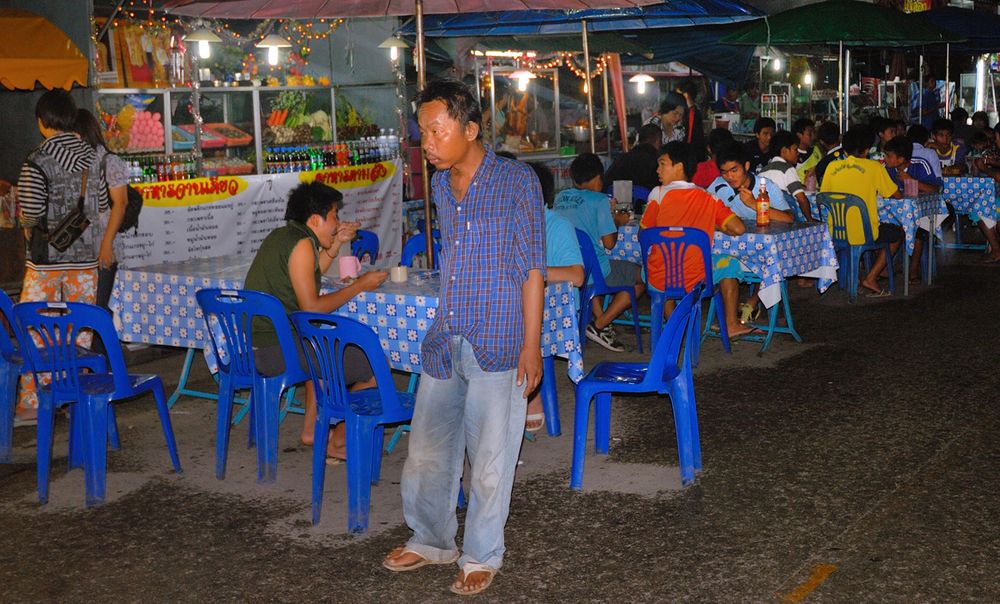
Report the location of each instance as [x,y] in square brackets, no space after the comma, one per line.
[32,49]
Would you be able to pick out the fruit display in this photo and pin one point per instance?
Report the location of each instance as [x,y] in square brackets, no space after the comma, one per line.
[225,166]
[233,137]
[146,132]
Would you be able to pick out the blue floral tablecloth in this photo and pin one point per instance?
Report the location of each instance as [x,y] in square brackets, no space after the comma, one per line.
[157,305]
[782,250]
[908,213]
[972,195]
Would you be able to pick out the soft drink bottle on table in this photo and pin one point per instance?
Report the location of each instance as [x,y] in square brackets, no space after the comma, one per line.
[763,205]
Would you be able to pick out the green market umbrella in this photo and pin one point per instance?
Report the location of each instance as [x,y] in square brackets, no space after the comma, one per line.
[844,23]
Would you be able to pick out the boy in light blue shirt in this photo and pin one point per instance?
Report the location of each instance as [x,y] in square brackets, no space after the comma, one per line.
[588,209]
[739,188]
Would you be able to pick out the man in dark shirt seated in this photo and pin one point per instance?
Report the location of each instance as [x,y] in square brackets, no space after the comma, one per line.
[828,137]
[639,164]
[759,149]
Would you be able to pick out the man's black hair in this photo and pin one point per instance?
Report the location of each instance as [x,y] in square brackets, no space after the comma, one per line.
[56,110]
[457,97]
[828,133]
[585,167]
[650,134]
[959,115]
[942,124]
[802,124]
[764,122]
[901,146]
[731,152]
[546,179]
[981,115]
[782,139]
[718,137]
[918,134]
[689,88]
[680,152]
[929,77]
[312,198]
[881,124]
[980,137]
[671,101]
[856,141]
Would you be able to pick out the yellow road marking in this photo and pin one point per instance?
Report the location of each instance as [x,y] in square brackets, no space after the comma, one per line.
[819,574]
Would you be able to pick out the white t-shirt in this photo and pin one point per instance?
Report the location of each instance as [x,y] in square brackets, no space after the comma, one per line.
[784,175]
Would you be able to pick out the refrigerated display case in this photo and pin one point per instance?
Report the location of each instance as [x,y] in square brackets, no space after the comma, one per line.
[244,125]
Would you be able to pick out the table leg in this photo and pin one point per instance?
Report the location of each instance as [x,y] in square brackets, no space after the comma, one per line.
[182,388]
[906,270]
[930,250]
[550,399]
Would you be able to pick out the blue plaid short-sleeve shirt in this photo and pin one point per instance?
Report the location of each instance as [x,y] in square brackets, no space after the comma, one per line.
[489,242]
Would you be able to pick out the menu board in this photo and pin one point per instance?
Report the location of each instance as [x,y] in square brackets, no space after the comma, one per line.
[225,215]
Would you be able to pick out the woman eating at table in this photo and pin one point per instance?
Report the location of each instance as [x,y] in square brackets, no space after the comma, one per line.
[288,266]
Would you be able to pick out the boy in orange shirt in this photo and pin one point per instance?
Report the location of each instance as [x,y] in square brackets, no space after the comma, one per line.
[679,203]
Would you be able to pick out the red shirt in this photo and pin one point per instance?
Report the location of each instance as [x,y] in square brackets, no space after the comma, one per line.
[706,173]
[685,205]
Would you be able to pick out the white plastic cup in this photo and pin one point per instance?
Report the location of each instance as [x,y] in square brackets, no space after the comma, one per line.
[399,274]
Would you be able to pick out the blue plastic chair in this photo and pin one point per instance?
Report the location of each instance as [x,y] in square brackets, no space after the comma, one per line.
[365,244]
[235,311]
[594,285]
[324,338]
[12,367]
[58,324]
[836,207]
[796,209]
[668,372]
[417,244]
[671,244]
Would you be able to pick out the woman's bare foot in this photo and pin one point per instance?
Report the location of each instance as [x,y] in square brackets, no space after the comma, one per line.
[738,330]
[871,285]
[336,445]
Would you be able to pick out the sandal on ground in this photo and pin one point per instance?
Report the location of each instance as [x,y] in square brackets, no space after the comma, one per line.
[752,332]
[747,313]
[533,422]
[20,421]
[420,562]
[472,567]
[882,293]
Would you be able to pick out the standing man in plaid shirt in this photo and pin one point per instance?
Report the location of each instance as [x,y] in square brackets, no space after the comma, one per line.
[482,356]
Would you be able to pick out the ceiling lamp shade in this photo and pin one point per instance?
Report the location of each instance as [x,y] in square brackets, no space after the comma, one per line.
[393,44]
[272,42]
[640,80]
[522,76]
[203,36]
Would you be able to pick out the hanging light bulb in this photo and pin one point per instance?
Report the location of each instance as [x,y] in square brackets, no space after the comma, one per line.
[586,88]
[393,44]
[640,80]
[203,36]
[776,64]
[272,42]
[523,76]
[808,78]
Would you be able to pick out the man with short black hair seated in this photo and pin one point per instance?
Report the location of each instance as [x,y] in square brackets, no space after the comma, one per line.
[639,164]
[289,264]
[866,179]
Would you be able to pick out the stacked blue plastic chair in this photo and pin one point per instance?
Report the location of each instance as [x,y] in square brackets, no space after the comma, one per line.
[836,209]
[671,245]
[594,285]
[366,412]
[365,244]
[235,312]
[668,372]
[12,367]
[417,244]
[58,324]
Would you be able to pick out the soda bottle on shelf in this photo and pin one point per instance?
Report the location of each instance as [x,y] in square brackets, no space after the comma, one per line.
[763,205]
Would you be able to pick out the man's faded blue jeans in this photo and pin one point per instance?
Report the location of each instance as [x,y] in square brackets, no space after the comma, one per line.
[477,411]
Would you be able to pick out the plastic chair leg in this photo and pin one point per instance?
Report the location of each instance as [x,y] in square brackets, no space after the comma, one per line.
[223,419]
[376,453]
[359,473]
[635,320]
[679,403]
[602,422]
[46,425]
[168,429]
[581,423]
[265,414]
[693,341]
[321,434]
[400,430]
[585,301]
[114,441]
[95,467]
[655,318]
[550,397]
[9,374]
[77,438]
[720,316]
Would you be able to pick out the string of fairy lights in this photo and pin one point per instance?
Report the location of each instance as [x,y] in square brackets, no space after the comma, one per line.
[568,60]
